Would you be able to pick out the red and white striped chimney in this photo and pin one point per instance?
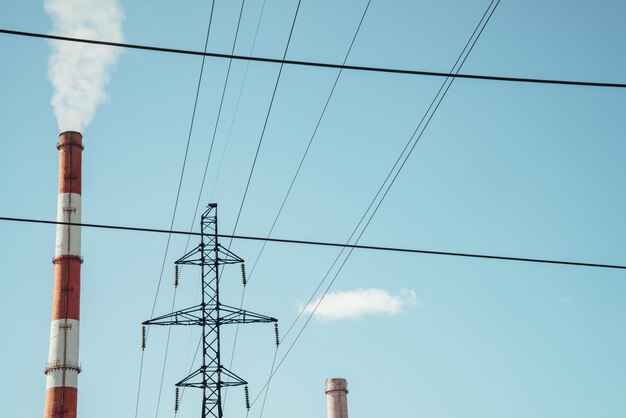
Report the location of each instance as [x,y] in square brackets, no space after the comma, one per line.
[63,367]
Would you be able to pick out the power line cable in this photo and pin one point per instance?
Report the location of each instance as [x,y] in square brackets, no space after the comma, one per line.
[139,383]
[437,95]
[256,155]
[217,121]
[167,345]
[243,83]
[191,367]
[211,147]
[325,244]
[182,174]
[317,64]
[169,236]
[308,147]
[206,167]
[267,389]
[267,117]
[293,180]
[436,102]
[219,112]
[189,345]
[433,106]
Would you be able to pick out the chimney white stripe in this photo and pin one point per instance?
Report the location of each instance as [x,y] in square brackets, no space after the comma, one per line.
[68,237]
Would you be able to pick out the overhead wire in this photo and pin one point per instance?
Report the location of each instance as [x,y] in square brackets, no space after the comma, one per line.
[169,236]
[217,121]
[403,157]
[337,258]
[267,388]
[167,345]
[219,112]
[317,64]
[328,244]
[267,117]
[350,247]
[235,112]
[293,180]
[256,155]
[308,147]
[182,393]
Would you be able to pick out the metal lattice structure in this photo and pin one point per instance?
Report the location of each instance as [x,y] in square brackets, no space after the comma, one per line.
[210,314]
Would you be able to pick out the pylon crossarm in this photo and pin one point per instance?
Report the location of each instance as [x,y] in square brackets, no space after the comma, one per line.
[189,316]
[232,315]
[193,257]
[186,382]
[230,378]
[225,256]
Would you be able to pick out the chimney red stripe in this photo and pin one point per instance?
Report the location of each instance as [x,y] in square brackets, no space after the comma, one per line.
[61,402]
[70,150]
[66,293]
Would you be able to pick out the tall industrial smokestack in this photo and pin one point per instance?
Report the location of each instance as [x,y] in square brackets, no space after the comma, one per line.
[63,367]
[337,398]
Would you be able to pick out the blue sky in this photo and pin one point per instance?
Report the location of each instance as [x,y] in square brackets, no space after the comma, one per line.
[507,169]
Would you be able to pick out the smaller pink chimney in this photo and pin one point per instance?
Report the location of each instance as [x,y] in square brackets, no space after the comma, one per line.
[337,398]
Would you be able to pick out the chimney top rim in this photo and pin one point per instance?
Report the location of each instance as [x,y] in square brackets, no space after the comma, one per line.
[336,384]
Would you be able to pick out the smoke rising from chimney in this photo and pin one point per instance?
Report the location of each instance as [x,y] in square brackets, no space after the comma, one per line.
[80,72]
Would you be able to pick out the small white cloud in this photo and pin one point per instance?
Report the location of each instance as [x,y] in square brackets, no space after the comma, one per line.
[567,299]
[351,304]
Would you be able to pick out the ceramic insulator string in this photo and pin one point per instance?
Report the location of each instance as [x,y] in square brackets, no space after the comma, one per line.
[143,337]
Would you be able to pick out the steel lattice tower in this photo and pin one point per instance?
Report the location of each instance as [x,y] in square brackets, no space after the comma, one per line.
[211,377]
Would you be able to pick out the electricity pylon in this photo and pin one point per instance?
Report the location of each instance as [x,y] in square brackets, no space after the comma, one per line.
[211,377]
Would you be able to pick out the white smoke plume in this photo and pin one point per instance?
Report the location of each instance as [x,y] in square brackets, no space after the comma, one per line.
[80,72]
[352,304]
